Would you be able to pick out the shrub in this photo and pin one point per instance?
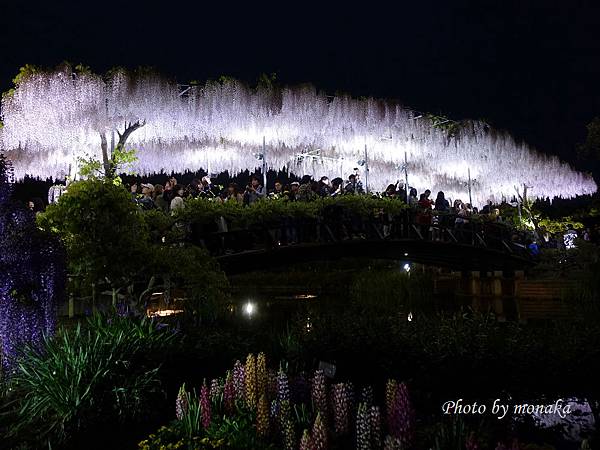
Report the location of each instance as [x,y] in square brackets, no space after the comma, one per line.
[103,372]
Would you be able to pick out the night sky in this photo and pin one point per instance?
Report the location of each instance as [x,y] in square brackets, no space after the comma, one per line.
[532,68]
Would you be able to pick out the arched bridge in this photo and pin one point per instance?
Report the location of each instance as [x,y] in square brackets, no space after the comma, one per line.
[464,246]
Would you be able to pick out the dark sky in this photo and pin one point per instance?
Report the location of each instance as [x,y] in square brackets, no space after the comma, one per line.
[532,68]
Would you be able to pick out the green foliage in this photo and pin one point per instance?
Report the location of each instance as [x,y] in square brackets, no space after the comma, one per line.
[590,149]
[392,291]
[272,211]
[111,242]
[25,72]
[105,371]
[205,285]
[191,420]
[232,433]
[450,435]
[559,225]
[451,127]
[120,162]
[98,221]
[237,432]
[267,81]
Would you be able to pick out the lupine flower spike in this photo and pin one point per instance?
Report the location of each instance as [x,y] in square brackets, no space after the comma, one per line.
[251,398]
[229,394]
[363,428]
[306,441]
[181,403]
[319,394]
[319,433]
[262,416]
[205,405]
[239,380]
[341,407]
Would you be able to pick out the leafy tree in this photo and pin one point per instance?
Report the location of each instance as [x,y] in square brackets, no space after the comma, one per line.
[103,232]
[590,149]
[111,242]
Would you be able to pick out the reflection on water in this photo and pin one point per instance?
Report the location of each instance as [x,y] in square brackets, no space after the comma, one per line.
[277,310]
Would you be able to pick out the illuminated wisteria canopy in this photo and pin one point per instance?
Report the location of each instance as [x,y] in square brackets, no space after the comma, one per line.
[51,119]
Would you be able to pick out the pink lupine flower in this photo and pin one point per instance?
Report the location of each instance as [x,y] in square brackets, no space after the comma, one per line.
[229,394]
[205,405]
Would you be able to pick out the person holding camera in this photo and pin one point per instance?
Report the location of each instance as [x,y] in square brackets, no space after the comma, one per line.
[254,191]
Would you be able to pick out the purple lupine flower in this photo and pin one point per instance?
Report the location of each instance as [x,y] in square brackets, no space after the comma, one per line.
[306,442]
[363,428]
[319,433]
[375,421]
[319,393]
[205,405]
[229,394]
[341,407]
[181,403]
[283,388]
[239,380]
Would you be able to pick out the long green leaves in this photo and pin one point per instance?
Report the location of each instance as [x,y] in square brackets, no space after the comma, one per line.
[104,369]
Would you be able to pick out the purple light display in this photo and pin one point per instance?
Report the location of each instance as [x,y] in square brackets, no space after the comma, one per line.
[32,275]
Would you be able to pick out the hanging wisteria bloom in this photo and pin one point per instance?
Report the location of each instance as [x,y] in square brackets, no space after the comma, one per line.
[32,276]
[53,118]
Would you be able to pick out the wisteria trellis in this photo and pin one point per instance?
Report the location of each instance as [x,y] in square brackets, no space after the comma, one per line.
[52,118]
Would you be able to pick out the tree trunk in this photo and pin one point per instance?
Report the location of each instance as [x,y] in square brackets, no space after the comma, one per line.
[105,159]
[109,162]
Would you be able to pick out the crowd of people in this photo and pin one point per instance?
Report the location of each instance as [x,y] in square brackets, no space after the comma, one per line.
[169,197]
[428,215]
